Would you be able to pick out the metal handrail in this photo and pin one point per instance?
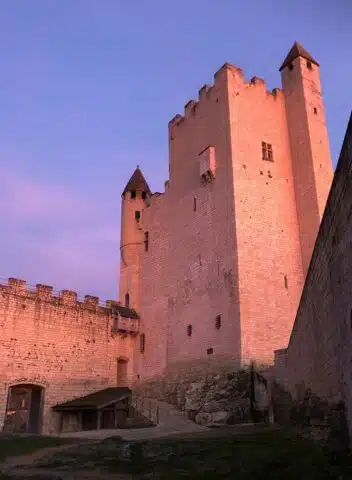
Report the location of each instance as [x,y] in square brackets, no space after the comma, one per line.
[144,407]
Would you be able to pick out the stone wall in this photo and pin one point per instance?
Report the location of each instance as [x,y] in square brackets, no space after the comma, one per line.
[229,246]
[211,393]
[319,354]
[65,346]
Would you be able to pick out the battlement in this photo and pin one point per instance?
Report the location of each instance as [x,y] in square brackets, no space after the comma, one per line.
[205,93]
[68,298]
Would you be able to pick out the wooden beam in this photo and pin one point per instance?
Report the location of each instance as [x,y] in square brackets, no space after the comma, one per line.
[61,421]
[80,420]
[98,419]
[115,416]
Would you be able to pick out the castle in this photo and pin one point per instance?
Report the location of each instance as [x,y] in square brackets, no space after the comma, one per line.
[211,270]
[216,264]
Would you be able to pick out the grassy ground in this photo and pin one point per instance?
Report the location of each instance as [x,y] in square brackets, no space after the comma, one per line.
[12,446]
[267,455]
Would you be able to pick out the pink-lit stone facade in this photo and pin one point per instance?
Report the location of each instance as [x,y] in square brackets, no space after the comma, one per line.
[233,233]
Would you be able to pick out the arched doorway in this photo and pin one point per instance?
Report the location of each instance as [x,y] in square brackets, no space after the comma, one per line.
[24,408]
[122,371]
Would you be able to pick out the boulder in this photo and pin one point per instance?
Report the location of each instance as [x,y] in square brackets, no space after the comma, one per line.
[219,418]
[215,406]
[203,418]
[194,396]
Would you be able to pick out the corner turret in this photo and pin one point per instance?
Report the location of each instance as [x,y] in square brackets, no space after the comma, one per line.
[296,51]
[137,183]
[310,150]
[134,200]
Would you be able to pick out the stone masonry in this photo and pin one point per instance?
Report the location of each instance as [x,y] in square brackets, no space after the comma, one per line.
[69,348]
[216,263]
[319,355]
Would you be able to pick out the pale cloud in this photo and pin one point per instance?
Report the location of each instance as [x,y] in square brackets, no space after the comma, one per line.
[54,235]
[26,199]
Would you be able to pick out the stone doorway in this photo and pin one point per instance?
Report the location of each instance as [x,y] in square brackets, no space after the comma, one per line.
[122,372]
[24,409]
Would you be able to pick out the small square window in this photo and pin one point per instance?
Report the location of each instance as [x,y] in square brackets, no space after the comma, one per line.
[137,215]
[210,351]
[309,65]
[133,193]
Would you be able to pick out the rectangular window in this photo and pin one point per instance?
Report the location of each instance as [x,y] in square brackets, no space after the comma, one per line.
[218,322]
[142,345]
[194,204]
[210,351]
[267,152]
[137,215]
[133,193]
[146,241]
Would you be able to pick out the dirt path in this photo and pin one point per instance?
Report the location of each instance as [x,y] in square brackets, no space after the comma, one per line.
[24,466]
[16,466]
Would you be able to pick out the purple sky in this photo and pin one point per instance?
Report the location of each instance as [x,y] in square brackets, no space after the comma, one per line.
[87,90]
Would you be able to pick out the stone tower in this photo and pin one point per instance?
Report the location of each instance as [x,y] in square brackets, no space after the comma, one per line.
[230,239]
[311,161]
[134,198]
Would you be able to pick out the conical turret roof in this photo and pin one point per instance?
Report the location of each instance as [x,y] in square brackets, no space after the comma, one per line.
[297,51]
[137,182]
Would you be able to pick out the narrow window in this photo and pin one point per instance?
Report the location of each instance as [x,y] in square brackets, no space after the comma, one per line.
[263,150]
[309,65]
[270,151]
[210,351]
[286,281]
[115,324]
[267,152]
[127,300]
[144,195]
[218,322]
[290,67]
[146,241]
[194,204]
[189,330]
[142,345]
[137,215]
[351,317]
[315,111]
[133,193]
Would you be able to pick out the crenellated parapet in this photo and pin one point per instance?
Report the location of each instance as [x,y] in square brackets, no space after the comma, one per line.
[208,93]
[66,298]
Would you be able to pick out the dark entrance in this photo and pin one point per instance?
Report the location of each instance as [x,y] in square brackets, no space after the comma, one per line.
[121,379]
[23,412]
[106,408]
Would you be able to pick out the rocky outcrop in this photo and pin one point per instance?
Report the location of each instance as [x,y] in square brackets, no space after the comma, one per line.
[211,400]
